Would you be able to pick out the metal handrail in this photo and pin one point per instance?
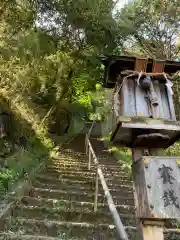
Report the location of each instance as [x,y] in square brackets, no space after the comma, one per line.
[99,175]
[91,128]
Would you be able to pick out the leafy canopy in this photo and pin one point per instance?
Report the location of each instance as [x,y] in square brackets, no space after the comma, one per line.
[153,26]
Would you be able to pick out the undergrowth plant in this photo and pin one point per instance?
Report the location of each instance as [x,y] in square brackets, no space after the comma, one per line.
[38,147]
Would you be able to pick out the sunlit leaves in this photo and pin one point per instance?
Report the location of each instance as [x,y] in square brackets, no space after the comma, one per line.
[154,25]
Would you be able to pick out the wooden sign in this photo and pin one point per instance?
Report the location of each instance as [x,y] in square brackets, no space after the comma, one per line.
[157,187]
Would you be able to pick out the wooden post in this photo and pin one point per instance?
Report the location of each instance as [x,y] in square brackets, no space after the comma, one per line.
[153,230]
[96,192]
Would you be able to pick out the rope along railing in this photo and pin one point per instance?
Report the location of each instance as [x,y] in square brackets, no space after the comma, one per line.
[99,176]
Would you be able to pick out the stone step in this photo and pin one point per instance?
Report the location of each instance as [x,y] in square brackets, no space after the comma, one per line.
[60,205]
[86,181]
[72,215]
[65,230]
[78,196]
[90,173]
[68,165]
[71,205]
[84,162]
[84,168]
[111,165]
[71,159]
[103,156]
[87,188]
[70,152]
[172,234]
[63,185]
[109,177]
[19,236]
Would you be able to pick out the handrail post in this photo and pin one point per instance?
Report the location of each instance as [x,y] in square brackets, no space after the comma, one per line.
[96,191]
[91,128]
[86,145]
[89,163]
[99,176]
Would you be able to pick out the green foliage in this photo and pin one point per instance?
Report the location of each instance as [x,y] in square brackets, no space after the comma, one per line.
[174,150]
[7,176]
[151,25]
[82,23]
[123,155]
[52,54]
[49,65]
[176,95]
[44,63]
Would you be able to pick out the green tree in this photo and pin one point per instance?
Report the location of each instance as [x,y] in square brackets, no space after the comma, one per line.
[153,26]
[49,49]
[80,23]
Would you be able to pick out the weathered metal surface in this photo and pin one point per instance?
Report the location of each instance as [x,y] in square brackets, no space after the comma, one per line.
[157,187]
[163,175]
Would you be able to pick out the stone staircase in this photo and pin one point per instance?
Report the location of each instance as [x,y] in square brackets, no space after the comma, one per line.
[60,203]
